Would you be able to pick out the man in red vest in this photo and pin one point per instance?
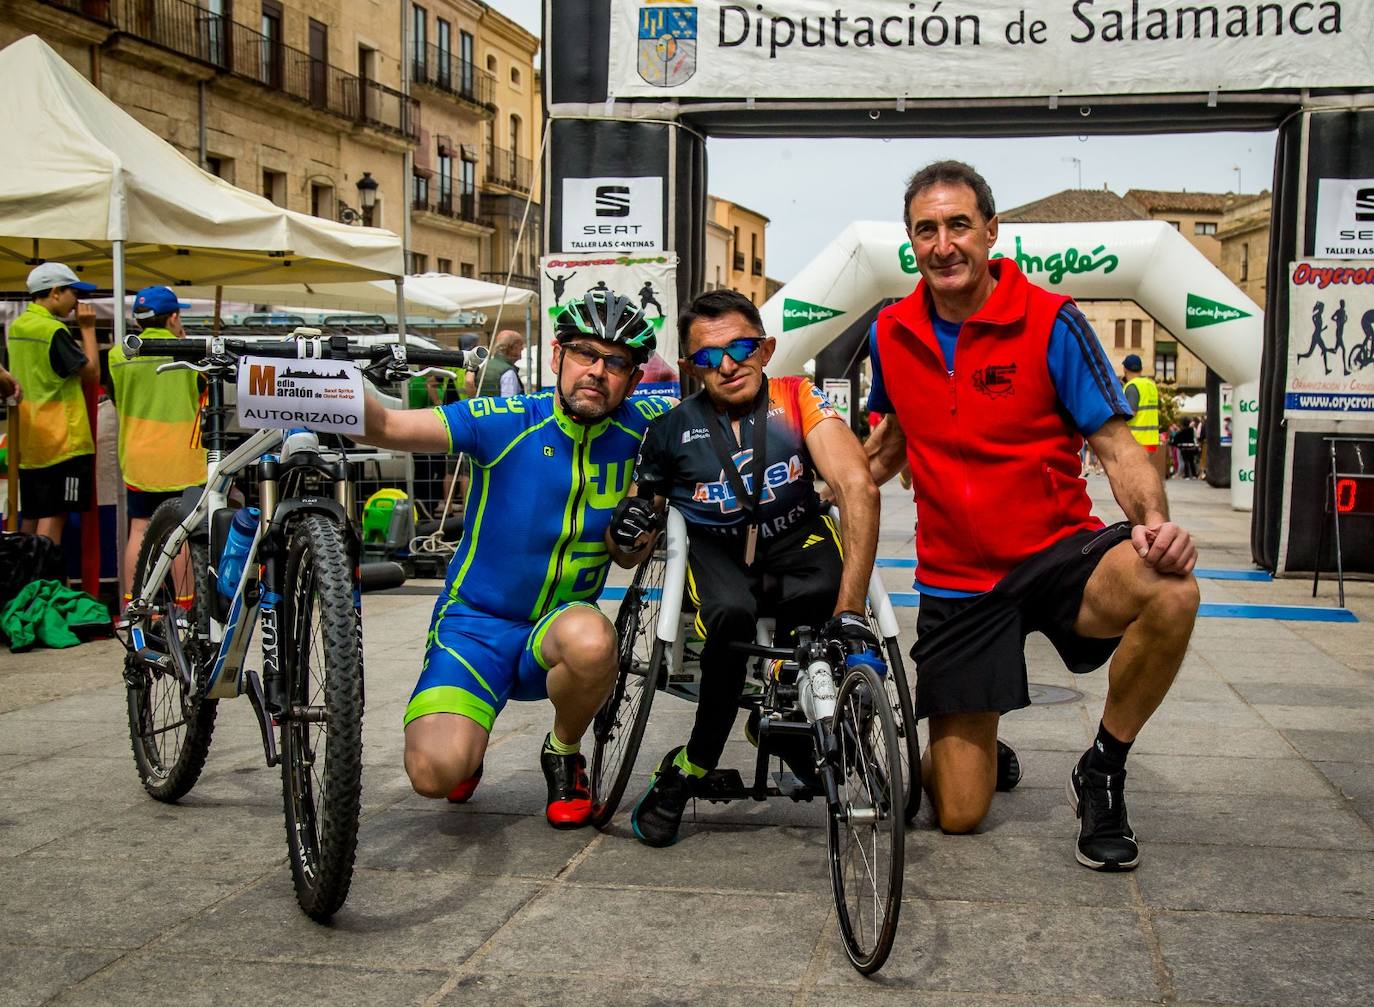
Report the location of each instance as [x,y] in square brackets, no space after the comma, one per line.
[992,384]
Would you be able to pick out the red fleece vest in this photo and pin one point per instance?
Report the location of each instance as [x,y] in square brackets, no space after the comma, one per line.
[994,455]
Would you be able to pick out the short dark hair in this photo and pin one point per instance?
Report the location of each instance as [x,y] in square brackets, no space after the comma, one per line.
[949,173]
[156,321]
[714,304]
[39,295]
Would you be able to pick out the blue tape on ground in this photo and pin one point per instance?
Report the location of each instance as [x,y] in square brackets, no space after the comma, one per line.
[1202,572]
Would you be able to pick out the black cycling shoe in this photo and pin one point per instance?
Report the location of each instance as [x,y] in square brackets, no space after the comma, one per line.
[570,795]
[658,815]
[1106,841]
[1008,767]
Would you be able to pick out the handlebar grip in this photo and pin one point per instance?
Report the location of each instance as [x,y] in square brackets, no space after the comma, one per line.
[425,357]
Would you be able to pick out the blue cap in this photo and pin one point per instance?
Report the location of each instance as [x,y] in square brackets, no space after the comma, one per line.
[153,301]
[1132,363]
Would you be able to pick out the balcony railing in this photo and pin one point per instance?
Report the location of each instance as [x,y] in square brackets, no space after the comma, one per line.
[758,266]
[739,262]
[505,167]
[516,279]
[458,206]
[192,31]
[442,70]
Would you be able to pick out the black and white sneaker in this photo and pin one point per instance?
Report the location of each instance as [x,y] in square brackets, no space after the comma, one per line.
[1008,767]
[1106,841]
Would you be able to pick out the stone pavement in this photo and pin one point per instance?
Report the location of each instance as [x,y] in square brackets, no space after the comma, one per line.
[1252,791]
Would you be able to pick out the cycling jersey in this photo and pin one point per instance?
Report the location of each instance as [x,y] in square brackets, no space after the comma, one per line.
[542,492]
[677,461]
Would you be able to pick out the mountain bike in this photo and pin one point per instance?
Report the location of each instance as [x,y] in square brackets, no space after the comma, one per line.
[188,628]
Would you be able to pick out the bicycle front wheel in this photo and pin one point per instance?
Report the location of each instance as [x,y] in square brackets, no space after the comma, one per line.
[170,720]
[619,725]
[322,732]
[867,827]
[904,716]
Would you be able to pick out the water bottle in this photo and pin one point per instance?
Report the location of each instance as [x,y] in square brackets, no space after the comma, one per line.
[236,546]
[816,691]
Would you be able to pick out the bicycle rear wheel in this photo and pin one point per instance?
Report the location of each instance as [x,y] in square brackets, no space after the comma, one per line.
[170,720]
[867,829]
[618,726]
[322,732]
[898,688]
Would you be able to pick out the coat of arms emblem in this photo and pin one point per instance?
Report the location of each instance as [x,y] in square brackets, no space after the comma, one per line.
[667,44]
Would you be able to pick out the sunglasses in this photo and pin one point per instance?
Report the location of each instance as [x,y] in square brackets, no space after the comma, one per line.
[587,356]
[711,357]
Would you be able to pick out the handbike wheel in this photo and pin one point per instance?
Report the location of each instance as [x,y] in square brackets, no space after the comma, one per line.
[618,726]
[322,732]
[170,720]
[904,715]
[867,829]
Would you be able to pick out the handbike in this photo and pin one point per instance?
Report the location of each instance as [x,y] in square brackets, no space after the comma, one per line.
[856,723]
[187,629]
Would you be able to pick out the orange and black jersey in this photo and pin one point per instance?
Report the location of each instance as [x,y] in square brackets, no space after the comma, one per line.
[677,461]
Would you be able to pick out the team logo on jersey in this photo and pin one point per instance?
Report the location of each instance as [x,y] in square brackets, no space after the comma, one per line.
[994,380]
[667,44]
[695,434]
[775,475]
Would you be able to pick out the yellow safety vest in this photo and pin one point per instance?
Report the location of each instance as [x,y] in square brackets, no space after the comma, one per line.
[53,423]
[158,450]
[1145,423]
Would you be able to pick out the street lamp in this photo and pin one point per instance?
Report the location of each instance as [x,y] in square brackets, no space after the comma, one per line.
[367,196]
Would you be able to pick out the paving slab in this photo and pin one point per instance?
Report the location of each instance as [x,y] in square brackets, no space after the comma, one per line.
[524,989]
[32,976]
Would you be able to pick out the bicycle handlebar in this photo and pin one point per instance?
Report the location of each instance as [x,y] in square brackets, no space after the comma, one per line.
[312,346]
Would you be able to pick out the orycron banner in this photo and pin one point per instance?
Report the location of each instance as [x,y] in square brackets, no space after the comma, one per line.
[973,48]
[1330,340]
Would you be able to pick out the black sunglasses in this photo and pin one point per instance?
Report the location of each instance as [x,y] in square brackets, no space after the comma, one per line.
[711,357]
[587,356]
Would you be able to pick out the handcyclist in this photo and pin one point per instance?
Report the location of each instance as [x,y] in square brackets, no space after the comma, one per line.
[759,517]
[517,617]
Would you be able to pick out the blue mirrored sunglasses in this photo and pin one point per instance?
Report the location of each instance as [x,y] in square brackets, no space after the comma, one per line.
[739,351]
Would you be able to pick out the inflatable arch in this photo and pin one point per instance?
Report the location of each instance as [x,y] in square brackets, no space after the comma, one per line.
[1148,262]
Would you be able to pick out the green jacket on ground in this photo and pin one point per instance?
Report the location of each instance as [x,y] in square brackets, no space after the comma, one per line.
[46,611]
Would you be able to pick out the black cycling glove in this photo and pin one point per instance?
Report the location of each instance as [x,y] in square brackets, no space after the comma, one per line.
[851,628]
[633,517]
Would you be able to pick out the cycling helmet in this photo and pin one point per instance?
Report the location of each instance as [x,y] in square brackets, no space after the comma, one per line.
[603,314]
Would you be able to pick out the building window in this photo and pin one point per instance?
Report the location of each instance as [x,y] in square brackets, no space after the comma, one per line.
[419,263]
[467,269]
[322,200]
[443,46]
[419,38]
[515,76]
[1244,259]
[318,36]
[1120,334]
[1166,367]
[420,186]
[465,68]
[445,265]
[515,134]
[1137,328]
[445,181]
[269,72]
[274,186]
[1205,227]
[1173,223]
[491,63]
[221,167]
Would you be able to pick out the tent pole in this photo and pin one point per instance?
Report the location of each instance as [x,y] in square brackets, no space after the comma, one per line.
[219,303]
[90,524]
[401,309]
[530,351]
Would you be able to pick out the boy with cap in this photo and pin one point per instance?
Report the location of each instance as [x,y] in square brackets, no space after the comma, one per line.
[159,444]
[56,450]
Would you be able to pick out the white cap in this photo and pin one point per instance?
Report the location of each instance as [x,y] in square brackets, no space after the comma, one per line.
[55,274]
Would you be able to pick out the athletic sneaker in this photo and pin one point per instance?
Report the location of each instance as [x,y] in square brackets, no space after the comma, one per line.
[1008,767]
[1106,841]
[658,815]
[463,792]
[570,795]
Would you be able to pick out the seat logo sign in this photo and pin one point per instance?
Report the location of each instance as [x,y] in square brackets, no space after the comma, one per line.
[667,44]
[612,200]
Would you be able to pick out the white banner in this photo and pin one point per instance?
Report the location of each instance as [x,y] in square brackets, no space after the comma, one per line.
[983,48]
[613,214]
[837,391]
[1330,340]
[1345,218]
[283,393]
[649,281]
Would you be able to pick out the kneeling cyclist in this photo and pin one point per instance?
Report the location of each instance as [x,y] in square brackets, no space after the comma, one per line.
[738,459]
[517,617]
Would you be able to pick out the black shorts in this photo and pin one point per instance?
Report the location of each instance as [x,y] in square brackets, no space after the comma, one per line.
[970,653]
[60,489]
[142,503]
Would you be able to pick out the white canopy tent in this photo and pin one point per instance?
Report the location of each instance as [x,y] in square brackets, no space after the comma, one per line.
[86,184]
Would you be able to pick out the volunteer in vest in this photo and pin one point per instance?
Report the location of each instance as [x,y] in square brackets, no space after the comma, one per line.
[1142,395]
[501,378]
[159,438]
[992,383]
[56,450]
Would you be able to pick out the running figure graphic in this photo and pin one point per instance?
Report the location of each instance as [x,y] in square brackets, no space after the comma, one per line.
[646,298]
[559,282]
[1318,326]
[1338,320]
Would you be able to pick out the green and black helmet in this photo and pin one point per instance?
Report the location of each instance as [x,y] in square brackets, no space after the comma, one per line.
[603,314]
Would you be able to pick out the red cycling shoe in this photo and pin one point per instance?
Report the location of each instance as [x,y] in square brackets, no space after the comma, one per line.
[464,791]
[570,794]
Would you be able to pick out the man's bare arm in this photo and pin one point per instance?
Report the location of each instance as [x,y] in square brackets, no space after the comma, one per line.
[85,320]
[1140,493]
[419,430]
[841,462]
[886,447]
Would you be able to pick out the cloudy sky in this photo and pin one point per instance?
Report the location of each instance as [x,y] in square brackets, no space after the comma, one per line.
[807,187]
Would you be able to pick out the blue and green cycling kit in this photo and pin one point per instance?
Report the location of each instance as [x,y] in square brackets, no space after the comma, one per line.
[541,496]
